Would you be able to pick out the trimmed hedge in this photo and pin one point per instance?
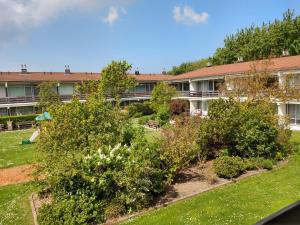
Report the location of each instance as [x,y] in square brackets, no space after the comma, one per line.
[229,167]
[17,119]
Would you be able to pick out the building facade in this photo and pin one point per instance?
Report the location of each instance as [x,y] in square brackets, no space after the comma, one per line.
[19,90]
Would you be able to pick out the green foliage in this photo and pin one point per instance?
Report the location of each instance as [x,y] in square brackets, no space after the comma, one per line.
[161,95]
[163,115]
[144,119]
[258,163]
[188,66]
[229,167]
[179,146]
[17,119]
[248,129]
[48,96]
[75,210]
[115,80]
[97,164]
[261,42]
[130,131]
[140,109]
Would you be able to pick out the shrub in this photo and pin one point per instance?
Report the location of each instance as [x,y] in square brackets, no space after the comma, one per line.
[178,106]
[18,119]
[163,115]
[179,145]
[245,129]
[144,119]
[75,210]
[258,163]
[130,132]
[229,167]
[139,109]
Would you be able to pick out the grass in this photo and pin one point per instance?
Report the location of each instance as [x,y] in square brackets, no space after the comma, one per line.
[14,154]
[245,202]
[14,204]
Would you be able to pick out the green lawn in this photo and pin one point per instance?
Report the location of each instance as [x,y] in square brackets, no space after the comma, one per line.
[12,153]
[14,204]
[245,202]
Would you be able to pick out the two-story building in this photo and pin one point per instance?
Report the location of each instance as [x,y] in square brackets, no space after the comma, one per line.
[19,91]
[204,84]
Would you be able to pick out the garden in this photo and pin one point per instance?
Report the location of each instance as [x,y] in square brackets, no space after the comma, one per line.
[101,161]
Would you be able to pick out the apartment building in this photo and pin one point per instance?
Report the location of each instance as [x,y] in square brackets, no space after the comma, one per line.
[204,84]
[19,92]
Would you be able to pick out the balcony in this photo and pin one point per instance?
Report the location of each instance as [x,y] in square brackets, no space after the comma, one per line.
[202,94]
[32,99]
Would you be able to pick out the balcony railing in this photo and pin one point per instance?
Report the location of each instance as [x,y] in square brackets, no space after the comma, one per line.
[200,94]
[30,99]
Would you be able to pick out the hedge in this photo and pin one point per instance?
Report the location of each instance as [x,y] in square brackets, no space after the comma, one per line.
[18,119]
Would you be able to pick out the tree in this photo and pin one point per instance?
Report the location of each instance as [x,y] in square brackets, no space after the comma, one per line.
[116,80]
[162,95]
[189,66]
[261,42]
[48,96]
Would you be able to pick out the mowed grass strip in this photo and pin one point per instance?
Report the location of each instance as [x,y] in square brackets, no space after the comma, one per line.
[14,204]
[245,202]
[14,154]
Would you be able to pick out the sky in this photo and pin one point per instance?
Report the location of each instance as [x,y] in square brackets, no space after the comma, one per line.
[152,35]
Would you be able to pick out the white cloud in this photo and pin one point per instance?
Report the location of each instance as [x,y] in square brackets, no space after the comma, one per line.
[19,16]
[187,15]
[112,16]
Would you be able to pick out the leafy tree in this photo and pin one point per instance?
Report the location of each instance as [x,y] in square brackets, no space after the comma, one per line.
[162,95]
[261,42]
[48,96]
[189,66]
[116,80]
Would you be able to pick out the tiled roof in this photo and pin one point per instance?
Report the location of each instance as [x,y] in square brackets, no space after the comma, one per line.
[73,77]
[275,64]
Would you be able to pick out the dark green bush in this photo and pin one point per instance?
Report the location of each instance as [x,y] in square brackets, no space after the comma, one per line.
[229,167]
[163,115]
[258,163]
[18,119]
[245,129]
[75,210]
[130,131]
[140,109]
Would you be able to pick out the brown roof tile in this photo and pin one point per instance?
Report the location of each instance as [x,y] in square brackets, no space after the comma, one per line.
[73,77]
[275,64]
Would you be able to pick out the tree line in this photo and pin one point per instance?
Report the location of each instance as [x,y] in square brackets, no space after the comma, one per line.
[254,43]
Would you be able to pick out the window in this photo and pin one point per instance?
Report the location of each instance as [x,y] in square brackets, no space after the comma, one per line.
[66,89]
[28,92]
[186,87]
[16,91]
[294,113]
[2,92]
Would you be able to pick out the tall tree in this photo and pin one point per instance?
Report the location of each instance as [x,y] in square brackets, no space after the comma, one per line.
[162,95]
[115,79]
[48,96]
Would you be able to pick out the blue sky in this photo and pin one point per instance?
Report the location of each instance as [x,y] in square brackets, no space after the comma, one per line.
[151,35]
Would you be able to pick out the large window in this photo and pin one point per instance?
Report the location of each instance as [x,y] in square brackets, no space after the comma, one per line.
[16,91]
[2,92]
[294,113]
[66,89]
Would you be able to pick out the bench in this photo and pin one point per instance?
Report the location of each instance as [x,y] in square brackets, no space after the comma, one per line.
[2,127]
[25,125]
[153,124]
